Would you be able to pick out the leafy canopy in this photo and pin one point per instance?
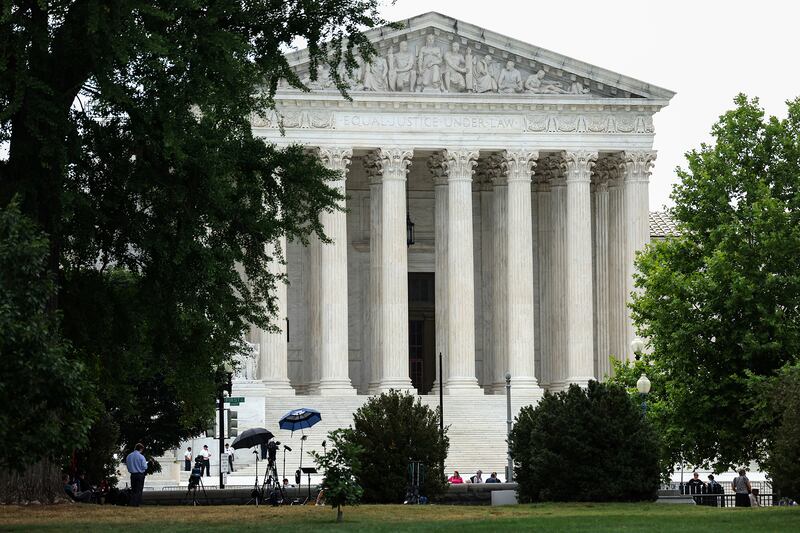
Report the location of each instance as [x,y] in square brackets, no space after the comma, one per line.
[129,145]
[720,303]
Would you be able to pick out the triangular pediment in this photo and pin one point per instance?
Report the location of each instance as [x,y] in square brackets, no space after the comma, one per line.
[436,54]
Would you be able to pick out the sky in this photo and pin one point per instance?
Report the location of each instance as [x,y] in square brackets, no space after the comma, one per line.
[706,51]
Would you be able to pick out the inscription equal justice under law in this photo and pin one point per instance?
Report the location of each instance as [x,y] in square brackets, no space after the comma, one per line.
[430,122]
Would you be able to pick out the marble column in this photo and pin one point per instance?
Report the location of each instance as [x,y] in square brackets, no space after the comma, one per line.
[637,221]
[601,277]
[273,367]
[460,273]
[557,278]
[375,272]
[617,274]
[496,171]
[519,273]
[438,169]
[334,357]
[392,166]
[542,194]
[580,343]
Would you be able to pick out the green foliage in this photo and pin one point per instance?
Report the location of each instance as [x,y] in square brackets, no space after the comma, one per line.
[130,145]
[775,402]
[393,429]
[46,400]
[721,302]
[339,463]
[585,445]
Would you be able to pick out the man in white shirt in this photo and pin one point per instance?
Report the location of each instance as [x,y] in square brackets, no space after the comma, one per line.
[206,455]
[187,459]
[229,453]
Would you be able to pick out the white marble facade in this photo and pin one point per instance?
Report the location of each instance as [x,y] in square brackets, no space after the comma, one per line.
[525,173]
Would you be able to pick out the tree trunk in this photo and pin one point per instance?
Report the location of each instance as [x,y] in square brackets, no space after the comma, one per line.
[39,483]
[339,514]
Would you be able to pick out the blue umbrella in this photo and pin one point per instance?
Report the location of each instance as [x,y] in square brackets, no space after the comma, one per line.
[300,419]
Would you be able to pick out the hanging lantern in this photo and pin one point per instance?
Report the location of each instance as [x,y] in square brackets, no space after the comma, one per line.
[409,230]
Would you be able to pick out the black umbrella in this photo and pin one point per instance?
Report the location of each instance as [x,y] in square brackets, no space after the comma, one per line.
[252,437]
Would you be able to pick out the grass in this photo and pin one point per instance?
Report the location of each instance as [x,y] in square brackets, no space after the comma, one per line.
[544,517]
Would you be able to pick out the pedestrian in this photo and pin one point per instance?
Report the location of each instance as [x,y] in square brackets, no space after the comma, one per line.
[206,455]
[229,453]
[137,466]
[715,488]
[493,478]
[696,486]
[742,488]
[187,459]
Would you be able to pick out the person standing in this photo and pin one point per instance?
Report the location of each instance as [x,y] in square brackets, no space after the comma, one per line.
[187,459]
[229,453]
[742,488]
[137,466]
[206,455]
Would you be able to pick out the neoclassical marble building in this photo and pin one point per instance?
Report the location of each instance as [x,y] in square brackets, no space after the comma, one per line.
[525,175]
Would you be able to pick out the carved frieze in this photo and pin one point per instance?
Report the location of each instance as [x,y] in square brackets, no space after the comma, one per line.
[439,62]
[559,122]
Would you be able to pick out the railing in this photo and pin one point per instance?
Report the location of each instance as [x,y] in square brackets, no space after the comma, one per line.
[764,487]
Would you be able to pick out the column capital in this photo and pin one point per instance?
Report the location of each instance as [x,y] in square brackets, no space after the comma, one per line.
[388,163]
[460,164]
[579,165]
[637,165]
[550,171]
[607,172]
[519,164]
[335,158]
[497,170]
[437,164]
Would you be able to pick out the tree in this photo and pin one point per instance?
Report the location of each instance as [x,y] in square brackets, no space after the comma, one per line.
[48,403]
[129,145]
[720,302]
[775,403]
[585,445]
[393,429]
[339,463]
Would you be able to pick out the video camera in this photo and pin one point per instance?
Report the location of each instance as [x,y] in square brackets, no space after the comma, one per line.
[197,473]
[272,450]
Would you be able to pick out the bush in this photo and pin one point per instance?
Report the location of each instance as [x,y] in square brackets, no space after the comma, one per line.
[339,464]
[392,429]
[585,445]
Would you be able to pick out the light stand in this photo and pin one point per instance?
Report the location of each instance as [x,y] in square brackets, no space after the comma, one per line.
[255,493]
[224,383]
[299,485]
[285,449]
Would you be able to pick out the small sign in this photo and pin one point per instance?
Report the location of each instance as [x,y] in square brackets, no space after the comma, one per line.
[235,400]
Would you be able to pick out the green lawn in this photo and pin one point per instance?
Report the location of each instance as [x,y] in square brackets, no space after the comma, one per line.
[544,517]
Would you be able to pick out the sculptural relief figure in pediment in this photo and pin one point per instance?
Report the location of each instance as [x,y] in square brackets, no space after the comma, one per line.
[429,63]
[484,81]
[376,74]
[536,84]
[402,73]
[457,70]
[510,80]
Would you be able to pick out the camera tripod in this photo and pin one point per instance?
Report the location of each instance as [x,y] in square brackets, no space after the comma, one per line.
[272,488]
[193,491]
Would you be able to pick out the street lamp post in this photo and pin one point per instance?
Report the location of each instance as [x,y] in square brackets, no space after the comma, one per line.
[224,383]
[637,347]
[510,475]
[643,386]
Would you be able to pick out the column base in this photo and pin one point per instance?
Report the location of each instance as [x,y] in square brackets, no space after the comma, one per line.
[335,387]
[400,384]
[496,388]
[581,381]
[558,386]
[462,386]
[374,388]
[524,383]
